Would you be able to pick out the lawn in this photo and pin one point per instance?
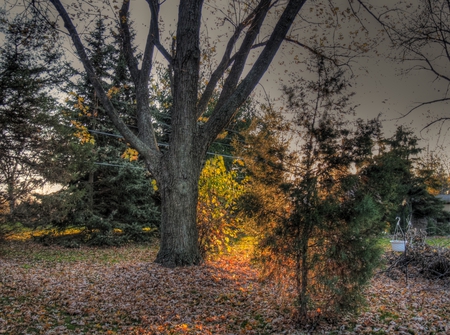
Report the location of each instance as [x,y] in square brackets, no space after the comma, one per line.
[54,290]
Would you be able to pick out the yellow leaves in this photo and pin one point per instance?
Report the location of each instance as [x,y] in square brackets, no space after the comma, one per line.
[239,162]
[222,135]
[113,91]
[82,133]
[130,154]
[154,185]
[218,193]
[79,104]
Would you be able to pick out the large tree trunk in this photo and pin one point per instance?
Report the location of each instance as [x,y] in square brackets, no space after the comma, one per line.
[181,164]
[179,194]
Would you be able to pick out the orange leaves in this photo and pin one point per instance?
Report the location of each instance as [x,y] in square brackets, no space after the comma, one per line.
[82,133]
[121,291]
[113,91]
[130,154]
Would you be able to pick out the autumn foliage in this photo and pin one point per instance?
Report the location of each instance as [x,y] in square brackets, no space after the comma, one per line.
[52,290]
[218,220]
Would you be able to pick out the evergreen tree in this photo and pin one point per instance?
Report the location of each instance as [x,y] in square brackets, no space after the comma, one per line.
[432,168]
[396,180]
[30,67]
[114,200]
[267,161]
[325,244]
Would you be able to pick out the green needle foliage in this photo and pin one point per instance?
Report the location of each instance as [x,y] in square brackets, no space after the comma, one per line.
[398,182]
[111,194]
[320,242]
[31,69]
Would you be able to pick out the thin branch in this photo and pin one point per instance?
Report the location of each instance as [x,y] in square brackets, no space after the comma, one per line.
[441,119]
[150,155]
[313,51]
[226,61]
[377,18]
[421,105]
[126,42]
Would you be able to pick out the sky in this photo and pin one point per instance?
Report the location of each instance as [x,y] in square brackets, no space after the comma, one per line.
[379,84]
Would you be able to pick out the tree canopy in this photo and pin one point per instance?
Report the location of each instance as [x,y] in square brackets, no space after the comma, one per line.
[207,80]
[177,169]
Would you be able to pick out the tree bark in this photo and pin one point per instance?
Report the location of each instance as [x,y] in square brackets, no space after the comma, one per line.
[179,194]
[181,164]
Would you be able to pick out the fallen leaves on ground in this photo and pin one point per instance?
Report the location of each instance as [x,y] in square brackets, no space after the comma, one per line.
[50,290]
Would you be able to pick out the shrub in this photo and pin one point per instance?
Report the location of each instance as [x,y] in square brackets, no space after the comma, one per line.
[217,219]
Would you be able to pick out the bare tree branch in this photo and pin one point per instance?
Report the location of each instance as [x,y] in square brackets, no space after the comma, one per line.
[222,115]
[313,51]
[424,104]
[243,52]
[126,42]
[226,61]
[147,152]
[441,119]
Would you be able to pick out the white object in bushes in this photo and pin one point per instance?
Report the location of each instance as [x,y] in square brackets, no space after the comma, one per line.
[398,245]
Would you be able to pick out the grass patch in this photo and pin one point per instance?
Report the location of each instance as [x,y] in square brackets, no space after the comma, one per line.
[26,234]
[30,252]
[438,241]
[385,243]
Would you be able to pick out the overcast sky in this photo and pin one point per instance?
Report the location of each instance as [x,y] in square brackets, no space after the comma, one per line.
[379,85]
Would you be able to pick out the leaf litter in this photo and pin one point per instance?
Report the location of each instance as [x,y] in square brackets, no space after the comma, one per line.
[51,290]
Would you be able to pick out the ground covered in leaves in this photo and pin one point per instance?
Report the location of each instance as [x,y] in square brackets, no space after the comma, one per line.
[52,290]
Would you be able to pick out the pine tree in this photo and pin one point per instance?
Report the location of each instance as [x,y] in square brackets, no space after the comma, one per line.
[325,244]
[396,180]
[30,69]
[114,200]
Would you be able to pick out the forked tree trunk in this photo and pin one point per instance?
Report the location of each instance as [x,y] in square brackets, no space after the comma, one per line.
[178,170]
